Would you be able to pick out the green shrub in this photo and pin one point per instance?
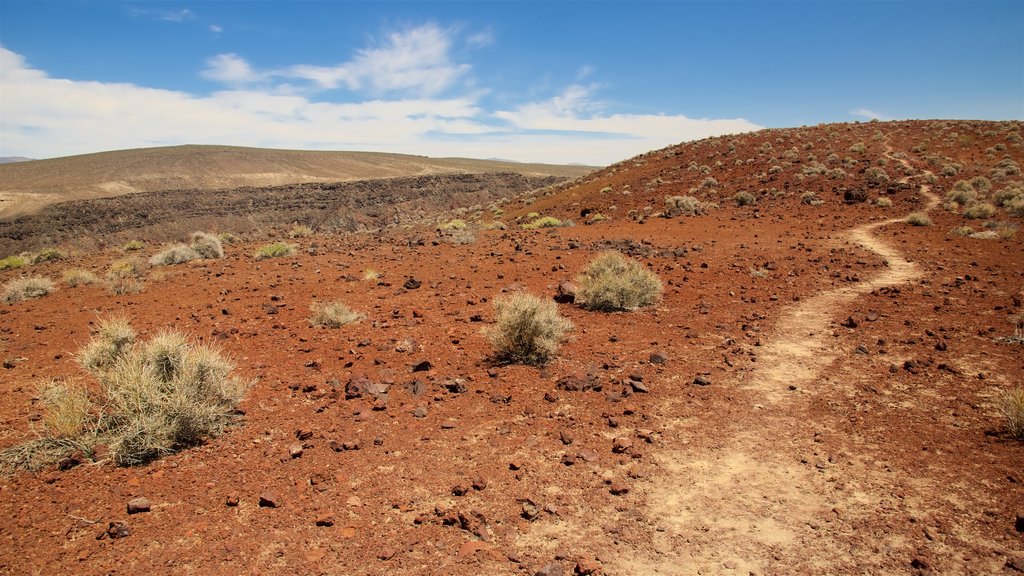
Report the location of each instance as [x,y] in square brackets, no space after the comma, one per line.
[1013,409]
[300,231]
[174,254]
[227,238]
[919,219]
[78,277]
[154,398]
[133,246]
[26,288]
[207,245]
[275,250]
[613,282]
[12,262]
[332,314]
[876,176]
[528,329]
[745,199]
[47,255]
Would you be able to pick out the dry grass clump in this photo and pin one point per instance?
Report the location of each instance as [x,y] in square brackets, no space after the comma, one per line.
[745,199]
[47,255]
[455,224]
[275,250]
[528,329]
[26,288]
[332,314]
[207,245]
[495,225]
[371,275]
[686,205]
[546,222]
[883,202]
[300,231]
[125,276]
[78,277]
[133,246]
[174,254]
[919,219]
[613,282]
[154,398]
[979,210]
[1013,409]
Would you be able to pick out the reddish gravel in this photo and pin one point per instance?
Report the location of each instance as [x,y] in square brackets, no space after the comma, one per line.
[803,400]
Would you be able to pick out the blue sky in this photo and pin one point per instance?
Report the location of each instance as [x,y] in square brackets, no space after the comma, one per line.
[589,82]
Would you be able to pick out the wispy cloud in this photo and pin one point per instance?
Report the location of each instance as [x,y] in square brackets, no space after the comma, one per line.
[869,114]
[215,28]
[166,15]
[404,110]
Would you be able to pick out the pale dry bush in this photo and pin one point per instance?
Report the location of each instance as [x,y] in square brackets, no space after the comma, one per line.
[332,314]
[27,288]
[1012,406]
[528,329]
[207,246]
[174,254]
[613,282]
[78,277]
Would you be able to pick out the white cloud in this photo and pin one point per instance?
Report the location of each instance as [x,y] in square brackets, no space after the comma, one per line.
[216,28]
[47,117]
[869,114]
[165,15]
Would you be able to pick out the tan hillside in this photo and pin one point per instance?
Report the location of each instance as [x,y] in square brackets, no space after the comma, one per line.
[25,187]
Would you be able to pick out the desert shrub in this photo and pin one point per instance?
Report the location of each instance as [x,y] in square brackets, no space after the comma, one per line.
[332,314]
[300,231]
[532,215]
[154,398]
[857,148]
[528,329]
[1013,191]
[883,202]
[810,198]
[745,199]
[125,276]
[1013,410]
[547,222]
[981,184]
[597,217]
[919,219]
[207,245]
[979,210]
[613,282]
[370,275]
[1015,206]
[676,205]
[78,277]
[133,246]
[962,231]
[174,254]
[227,238]
[65,409]
[836,173]
[949,170]
[455,224]
[47,255]
[876,176]
[275,250]
[12,262]
[961,195]
[26,288]
[709,182]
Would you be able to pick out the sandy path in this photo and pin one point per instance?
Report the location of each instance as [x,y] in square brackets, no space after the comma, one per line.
[748,505]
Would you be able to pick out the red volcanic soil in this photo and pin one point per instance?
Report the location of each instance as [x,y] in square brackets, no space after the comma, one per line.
[817,391]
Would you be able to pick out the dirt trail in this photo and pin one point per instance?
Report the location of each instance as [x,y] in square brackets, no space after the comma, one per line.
[752,507]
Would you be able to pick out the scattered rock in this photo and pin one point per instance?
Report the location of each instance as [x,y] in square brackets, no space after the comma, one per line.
[1016,563]
[855,196]
[460,490]
[117,530]
[1018,524]
[295,450]
[324,520]
[919,563]
[588,567]
[702,381]
[566,437]
[566,293]
[621,445]
[420,412]
[422,366]
[618,488]
[269,500]
[550,569]
[850,322]
[658,357]
[412,284]
[579,383]
[530,510]
[138,505]
[231,501]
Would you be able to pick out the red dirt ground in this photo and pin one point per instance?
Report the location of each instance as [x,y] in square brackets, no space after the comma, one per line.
[820,446]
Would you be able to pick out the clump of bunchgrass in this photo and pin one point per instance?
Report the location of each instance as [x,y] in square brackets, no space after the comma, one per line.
[125,276]
[745,199]
[27,288]
[979,211]
[47,255]
[300,231]
[546,222]
[78,277]
[133,246]
[918,219]
[275,250]
[527,330]
[174,254]
[1012,406]
[456,224]
[207,245]
[613,282]
[12,262]
[883,202]
[332,314]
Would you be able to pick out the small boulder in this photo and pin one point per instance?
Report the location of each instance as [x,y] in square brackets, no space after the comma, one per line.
[138,505]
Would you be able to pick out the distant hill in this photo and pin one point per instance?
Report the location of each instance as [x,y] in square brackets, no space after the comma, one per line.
[12,159]
[25,187]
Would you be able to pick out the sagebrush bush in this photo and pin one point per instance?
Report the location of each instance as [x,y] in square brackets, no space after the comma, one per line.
[1013,410]
[275,250]
[133,245]
[174,254]
[47,255]
[455,224]
[979,210]
[527,330]
[207,245]
[745,199]
[26,288]
[78,276]
[154,398]
[125,276]
[876,176]
[919,219]
[883,202]
[613,282]
[547,222]
[962,195]
[687,205]
[332,314]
